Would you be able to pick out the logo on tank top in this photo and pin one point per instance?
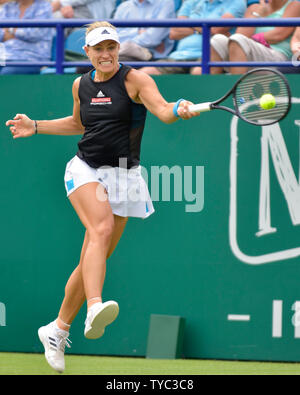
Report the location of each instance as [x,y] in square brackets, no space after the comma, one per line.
[100,99]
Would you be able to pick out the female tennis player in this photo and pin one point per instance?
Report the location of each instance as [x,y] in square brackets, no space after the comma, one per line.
[110,104]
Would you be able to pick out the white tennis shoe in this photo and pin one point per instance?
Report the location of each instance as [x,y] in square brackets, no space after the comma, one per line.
[98,317]
[54,341]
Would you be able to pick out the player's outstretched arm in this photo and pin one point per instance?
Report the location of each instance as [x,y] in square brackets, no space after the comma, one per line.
[22,126]
[148,94]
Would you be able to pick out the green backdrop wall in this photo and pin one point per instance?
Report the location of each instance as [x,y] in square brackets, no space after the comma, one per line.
[231,268]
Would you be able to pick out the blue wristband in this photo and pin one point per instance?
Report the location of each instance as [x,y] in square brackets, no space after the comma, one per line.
[175,108]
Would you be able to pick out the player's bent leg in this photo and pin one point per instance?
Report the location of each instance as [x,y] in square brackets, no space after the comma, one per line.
[74,298]
[96,216]
[74,293]
[102,314]
[74,290]
[119,226]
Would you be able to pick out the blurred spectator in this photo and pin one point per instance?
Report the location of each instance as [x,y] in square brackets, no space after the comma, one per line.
[83,9]
[295,47]
[145,43]
[25,44]
[295,44]
[257,44]
[189,46]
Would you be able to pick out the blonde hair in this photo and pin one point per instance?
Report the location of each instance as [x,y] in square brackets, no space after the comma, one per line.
[95,25]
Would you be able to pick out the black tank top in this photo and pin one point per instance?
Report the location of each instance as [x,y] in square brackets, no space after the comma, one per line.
[113,123]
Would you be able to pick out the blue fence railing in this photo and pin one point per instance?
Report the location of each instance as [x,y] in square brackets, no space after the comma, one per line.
[206,24]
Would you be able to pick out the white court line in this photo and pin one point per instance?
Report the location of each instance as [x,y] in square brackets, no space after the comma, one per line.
[238,317]
[277,318]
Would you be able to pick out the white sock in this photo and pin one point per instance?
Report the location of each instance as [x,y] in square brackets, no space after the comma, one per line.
[58,328]
[96,298]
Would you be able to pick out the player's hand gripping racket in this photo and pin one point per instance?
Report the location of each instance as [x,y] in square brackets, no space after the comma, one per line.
[261,97]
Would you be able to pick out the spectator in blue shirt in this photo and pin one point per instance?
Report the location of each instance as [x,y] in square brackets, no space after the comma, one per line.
[190,39]
[25,44]
[89,9]
[145,43]
[82,9]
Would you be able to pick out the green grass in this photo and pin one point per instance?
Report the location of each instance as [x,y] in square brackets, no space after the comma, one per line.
[35,364]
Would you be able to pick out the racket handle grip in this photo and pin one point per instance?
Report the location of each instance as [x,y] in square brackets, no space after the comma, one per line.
[201,107]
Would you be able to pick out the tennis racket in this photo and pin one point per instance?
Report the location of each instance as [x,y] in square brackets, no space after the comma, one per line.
[247,93]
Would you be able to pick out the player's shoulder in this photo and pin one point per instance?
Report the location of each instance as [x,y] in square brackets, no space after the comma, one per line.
[138,77]
[136,82]
[77,82]
[75,87]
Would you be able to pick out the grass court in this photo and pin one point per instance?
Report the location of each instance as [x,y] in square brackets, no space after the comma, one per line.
[35,364]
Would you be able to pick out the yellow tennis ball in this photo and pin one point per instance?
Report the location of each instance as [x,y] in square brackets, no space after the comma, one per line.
[267,101]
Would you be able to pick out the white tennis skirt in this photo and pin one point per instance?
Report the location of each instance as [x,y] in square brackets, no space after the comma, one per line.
[126,189]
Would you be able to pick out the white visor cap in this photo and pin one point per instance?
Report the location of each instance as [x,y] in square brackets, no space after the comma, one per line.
[100,34]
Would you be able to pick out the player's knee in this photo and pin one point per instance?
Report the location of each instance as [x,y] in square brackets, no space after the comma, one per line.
[102,231]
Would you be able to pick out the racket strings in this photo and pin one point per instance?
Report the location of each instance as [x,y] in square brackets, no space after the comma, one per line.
[249,91]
